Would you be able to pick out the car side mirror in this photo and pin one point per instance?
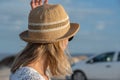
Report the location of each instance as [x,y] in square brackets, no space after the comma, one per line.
[90,61]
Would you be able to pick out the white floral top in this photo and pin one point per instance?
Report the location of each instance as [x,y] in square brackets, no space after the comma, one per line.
[26,73]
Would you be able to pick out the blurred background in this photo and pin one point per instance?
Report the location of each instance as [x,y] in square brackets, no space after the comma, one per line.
[99,21]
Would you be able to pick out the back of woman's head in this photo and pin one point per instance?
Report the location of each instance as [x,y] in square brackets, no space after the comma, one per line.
[57,61]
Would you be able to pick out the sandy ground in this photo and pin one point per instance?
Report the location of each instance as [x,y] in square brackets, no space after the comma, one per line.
[4,73]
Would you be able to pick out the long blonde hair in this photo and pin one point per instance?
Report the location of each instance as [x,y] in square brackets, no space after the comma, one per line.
[57,61]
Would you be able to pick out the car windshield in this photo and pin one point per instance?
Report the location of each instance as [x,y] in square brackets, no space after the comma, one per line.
[119,56]
[105,57]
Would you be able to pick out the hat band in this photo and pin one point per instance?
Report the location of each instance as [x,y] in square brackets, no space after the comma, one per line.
[49,30]
[51,23]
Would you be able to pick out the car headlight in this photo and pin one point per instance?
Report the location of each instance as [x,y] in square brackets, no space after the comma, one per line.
[73,65]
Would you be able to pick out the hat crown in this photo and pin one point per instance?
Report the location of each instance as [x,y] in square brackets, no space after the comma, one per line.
[48,22]
[47,14]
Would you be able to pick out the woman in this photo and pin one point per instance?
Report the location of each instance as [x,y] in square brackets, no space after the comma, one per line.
[49,31]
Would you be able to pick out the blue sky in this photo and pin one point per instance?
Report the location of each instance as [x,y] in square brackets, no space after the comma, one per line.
[99,21]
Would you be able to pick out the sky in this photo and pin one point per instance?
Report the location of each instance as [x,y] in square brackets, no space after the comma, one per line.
[99,24]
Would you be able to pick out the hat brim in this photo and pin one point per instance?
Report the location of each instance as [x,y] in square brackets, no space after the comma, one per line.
[74,27]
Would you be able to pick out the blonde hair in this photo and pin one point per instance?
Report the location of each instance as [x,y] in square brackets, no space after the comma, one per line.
[57,61]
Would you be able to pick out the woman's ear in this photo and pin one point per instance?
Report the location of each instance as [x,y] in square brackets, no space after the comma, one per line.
[64,44]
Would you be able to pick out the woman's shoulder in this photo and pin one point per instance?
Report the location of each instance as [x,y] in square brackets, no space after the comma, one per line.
[26,73]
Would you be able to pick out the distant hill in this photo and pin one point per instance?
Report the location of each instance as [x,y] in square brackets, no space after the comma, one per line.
[7,61]
[4,55]
[82,54]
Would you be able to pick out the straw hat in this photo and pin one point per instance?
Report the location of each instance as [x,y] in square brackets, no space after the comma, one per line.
[47,24]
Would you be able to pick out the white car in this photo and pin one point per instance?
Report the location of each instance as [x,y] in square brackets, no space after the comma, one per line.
[105,66]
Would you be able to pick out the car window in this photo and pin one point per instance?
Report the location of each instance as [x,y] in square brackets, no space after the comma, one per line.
[105,57]
[119,56]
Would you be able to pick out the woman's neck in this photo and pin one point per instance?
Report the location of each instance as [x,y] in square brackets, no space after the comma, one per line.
[40,66]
